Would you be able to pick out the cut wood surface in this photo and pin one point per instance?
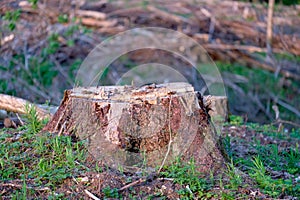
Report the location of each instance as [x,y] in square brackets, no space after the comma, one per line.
[139,127]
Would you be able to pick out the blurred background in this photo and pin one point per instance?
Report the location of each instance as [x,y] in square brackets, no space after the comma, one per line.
[44,42]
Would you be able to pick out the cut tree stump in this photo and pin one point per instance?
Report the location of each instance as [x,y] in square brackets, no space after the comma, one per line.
[140,127]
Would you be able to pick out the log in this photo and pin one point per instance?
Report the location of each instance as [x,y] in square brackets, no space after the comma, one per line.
[141,127]
[18,105]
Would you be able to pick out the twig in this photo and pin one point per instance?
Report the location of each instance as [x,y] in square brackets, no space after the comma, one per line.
[190,191]
[78,163]
[170,139]
[20,120]
[165,179]
[256,100]
[132,184]
[286,122]
[285,105]
[112,30]
[91,195]
[289,107]
[62,128]
[276,110]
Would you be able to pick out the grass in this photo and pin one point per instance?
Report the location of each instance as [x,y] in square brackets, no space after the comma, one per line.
[34,160]
[187,175]
[41,160]
[38,160]
[274,166]
[11,17]
[235,179]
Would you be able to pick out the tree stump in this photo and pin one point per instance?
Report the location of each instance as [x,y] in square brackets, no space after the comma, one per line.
[140,127]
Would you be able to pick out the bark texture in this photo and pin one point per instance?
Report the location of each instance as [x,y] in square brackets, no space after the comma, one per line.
[140,127]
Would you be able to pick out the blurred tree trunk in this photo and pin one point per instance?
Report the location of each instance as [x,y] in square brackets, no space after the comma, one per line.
[269,30]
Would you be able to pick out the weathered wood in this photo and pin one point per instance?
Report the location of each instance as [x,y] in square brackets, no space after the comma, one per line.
[140,127]
[18,105]
[218,108]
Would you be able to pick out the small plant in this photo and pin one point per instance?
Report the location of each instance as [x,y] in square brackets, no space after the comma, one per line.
[272,187]
[227,146]
[187,176]
[235,179]
[293,160]
[63,18]
[33,3]
[111,192]
[236,120]
[34,124]
[53,45]
[12,17]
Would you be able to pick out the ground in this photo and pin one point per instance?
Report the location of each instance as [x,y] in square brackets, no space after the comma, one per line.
[262,163]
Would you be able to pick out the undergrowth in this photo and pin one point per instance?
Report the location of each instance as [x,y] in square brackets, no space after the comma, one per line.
[273,165]
[41,159]
[258,90]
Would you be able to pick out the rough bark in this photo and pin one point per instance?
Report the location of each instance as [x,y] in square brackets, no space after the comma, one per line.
[142,127]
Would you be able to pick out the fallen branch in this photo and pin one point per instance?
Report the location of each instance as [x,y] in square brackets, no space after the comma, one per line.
[111,30]
[90,13]
[265,66]
[17,105]
[288,106]
[96,23]
[248,48]
[280,121]
[132,184]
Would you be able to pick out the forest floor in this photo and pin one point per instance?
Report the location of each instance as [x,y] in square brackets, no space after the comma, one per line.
[263,163]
